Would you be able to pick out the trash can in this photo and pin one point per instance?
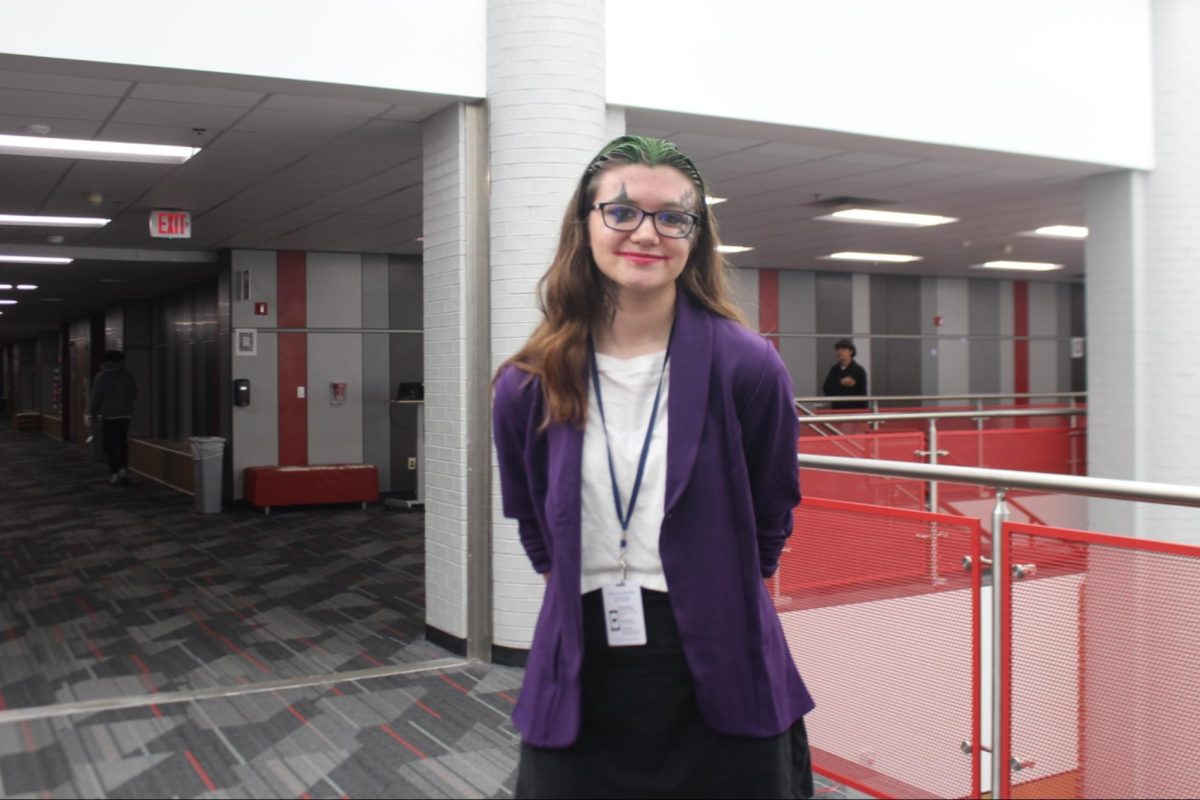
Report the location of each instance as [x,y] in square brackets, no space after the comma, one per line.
[208,455]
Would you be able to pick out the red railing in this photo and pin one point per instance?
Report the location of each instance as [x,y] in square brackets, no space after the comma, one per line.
[1103,646]
[1099,639]
[883,622]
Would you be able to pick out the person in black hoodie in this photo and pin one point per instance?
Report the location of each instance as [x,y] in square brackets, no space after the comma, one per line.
[846,378]
[113,393]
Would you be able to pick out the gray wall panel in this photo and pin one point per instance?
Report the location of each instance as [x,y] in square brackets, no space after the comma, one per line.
[406,363]
[1079,328]
[983,300]
[896,309]
[1043,322]
[377,394]
[929,347]
[375,291]
[334,290]
[335,431]
[256,426]
[834,316]
[798,314]
[953,354]
[262,267]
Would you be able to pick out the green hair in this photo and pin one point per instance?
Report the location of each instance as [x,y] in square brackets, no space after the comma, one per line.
[646,150]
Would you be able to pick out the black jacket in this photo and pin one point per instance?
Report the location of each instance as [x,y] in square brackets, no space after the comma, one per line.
[113,393]
[833,385]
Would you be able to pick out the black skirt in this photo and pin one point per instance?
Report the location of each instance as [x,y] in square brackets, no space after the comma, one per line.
[642,733]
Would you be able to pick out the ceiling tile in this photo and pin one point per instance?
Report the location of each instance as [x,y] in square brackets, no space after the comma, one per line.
[189,115]
[268,121]
[56,104]
[204,95]
[42,82]
[363,109]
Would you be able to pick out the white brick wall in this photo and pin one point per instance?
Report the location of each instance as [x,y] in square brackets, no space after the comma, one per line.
[1143,292]
[445,231]
[546,118]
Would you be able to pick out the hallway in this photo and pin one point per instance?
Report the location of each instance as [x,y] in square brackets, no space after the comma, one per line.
[117,597]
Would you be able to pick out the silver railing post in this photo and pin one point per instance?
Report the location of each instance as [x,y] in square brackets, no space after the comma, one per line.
[933,460]
[999,666]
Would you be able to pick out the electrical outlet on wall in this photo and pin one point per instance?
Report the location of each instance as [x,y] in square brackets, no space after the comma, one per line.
[412,462]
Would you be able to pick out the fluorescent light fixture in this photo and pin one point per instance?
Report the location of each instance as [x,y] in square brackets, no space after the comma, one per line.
[5,286]
[893,258]
[712,201]
[97,150]
[1059,232]
[8,302]
[871,216]
[26,287]
[36,260]
[1026,266]
[53,222]
[733,248]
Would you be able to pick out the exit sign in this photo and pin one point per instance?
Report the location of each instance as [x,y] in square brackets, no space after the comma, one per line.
[171,224]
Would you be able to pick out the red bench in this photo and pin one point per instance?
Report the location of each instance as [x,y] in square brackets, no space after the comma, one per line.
[308,485]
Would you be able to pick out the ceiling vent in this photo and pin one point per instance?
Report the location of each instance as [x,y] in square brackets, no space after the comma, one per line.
[847,201]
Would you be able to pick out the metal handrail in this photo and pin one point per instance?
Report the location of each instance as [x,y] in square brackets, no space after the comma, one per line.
[1111,488]
[1002,480]
[899,415]
[979,396]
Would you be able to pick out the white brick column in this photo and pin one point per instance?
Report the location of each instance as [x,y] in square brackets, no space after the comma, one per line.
[546,119]
[454,185]
[1142,296]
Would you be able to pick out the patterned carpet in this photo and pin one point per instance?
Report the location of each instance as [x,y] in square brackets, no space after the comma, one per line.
[110,590]
[433,735]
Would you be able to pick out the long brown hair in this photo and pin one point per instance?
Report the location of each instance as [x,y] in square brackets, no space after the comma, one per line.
[575,296]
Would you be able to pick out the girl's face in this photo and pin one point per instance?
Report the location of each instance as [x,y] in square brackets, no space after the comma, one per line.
[643,262]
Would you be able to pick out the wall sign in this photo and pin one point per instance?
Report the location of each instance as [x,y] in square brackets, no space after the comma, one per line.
[170,224]
[245,342]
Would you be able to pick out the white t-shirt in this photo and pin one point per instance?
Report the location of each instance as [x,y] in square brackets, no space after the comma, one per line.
[627,387]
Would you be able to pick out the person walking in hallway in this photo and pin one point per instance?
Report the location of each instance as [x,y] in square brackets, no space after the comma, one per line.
[113,393]
[646,448]
[846,378]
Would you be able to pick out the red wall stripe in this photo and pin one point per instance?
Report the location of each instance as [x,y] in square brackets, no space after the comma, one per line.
[1021,343]
[768,304]
[291,281]
[291,289]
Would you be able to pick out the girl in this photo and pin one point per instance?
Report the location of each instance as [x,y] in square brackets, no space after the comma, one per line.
[646,444]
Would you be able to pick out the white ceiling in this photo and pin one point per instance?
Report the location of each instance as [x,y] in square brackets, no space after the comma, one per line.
[292,165]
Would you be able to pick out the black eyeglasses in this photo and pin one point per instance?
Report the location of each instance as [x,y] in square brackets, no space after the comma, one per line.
[624,217]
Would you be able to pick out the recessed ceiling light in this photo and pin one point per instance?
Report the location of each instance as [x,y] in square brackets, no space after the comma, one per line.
[97,150]
[53,222]
[4,286]
[872,216]
[26,287]
[733,248]
[36,259]
[8,302]
[1059,232]
[712,201]
[1026,266]
[895,258]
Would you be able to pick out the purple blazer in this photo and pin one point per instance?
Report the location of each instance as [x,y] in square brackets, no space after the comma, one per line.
[731,486]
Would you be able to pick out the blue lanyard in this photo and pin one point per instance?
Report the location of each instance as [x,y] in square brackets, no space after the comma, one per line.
[623,516]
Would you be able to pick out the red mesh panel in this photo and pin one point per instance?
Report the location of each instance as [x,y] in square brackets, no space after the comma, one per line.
[1025,449]
[881,617]
[873,489]
[1105,661]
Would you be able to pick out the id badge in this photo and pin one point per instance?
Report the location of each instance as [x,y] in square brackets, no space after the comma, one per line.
[624,619]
